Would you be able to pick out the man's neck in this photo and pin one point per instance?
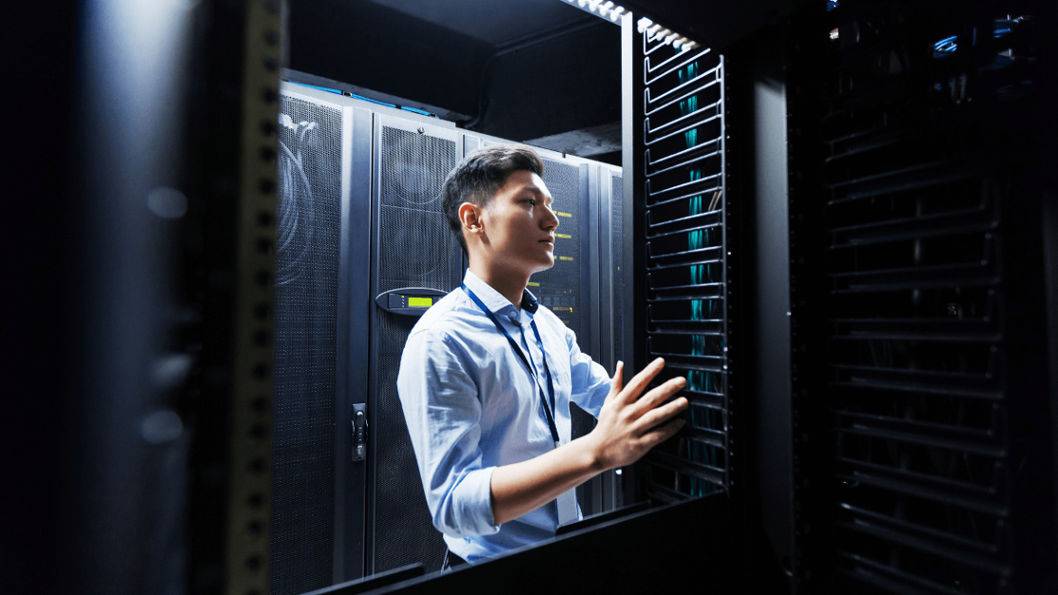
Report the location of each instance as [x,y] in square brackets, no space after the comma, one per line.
[509,284]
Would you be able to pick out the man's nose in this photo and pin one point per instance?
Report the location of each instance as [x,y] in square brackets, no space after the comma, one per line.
[550,221]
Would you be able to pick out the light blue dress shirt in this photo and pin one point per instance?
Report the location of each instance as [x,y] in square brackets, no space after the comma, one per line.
[471,405]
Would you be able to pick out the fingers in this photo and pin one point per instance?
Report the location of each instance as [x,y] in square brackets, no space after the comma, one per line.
[659,415]
[658,395]
[641,380]
[656,437]
[617,382]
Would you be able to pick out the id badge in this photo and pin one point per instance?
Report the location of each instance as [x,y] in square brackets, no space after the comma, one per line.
[567,504]
[567,507]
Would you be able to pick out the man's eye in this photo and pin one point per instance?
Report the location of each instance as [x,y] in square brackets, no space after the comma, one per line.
[531,201]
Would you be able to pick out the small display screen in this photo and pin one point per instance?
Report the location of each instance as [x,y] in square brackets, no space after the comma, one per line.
[420,302]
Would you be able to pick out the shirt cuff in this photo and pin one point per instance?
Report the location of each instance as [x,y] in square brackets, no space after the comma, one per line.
[476,502]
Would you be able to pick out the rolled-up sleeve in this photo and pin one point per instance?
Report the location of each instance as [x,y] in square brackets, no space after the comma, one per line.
[443,412]
[588,379]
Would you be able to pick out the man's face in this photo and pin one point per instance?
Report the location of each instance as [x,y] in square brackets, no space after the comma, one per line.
[519,224]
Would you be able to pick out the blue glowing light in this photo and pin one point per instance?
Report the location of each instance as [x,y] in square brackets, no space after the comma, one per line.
[369,100]
[945,47]
[416,110]
[1002,27]
[319,88]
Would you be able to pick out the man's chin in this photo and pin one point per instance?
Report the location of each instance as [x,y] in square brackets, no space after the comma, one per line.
[544,264]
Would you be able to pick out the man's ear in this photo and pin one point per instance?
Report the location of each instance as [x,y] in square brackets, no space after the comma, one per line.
[470,216]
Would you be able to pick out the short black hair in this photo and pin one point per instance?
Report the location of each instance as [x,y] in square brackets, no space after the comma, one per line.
[477,178]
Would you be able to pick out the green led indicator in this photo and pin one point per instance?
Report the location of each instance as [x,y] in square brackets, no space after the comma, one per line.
[420,302]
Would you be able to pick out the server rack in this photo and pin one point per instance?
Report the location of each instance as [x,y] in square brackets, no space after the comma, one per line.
[923,194]
[321,331]
[682,233]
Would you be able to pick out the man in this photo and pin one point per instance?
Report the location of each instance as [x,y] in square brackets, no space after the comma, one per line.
[487,376]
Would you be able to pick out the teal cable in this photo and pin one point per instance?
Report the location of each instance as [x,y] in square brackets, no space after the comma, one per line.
[688,72]
[690,138]
[688,105]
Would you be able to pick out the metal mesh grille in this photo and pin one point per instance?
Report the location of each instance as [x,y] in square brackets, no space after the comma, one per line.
[559,287]
[414,248]
[309,163]
[403,531]
[415,239]
[422,162]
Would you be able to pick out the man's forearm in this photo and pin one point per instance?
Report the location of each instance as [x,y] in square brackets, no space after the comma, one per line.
[523,487]
[628,427]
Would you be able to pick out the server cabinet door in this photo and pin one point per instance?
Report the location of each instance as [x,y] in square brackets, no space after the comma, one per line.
[413,248]
[351,469]
[312,543]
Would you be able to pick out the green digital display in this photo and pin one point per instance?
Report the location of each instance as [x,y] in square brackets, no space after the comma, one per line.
[420,302]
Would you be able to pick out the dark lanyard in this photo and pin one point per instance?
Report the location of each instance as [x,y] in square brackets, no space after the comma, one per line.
[548,408]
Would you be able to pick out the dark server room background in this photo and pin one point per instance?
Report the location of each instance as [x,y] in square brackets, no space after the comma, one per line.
[836,219]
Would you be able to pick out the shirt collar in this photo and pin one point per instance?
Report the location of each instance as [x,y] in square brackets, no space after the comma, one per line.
[494,300]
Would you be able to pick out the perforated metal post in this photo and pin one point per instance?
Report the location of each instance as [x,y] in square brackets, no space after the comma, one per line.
[249,505]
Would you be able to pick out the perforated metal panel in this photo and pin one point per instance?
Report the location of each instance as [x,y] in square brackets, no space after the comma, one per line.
[307,255]
[419,159]
[403,530]
[411,254]
[414,233]
[415,249]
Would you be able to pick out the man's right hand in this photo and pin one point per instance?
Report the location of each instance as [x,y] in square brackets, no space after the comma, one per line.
[629,426]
